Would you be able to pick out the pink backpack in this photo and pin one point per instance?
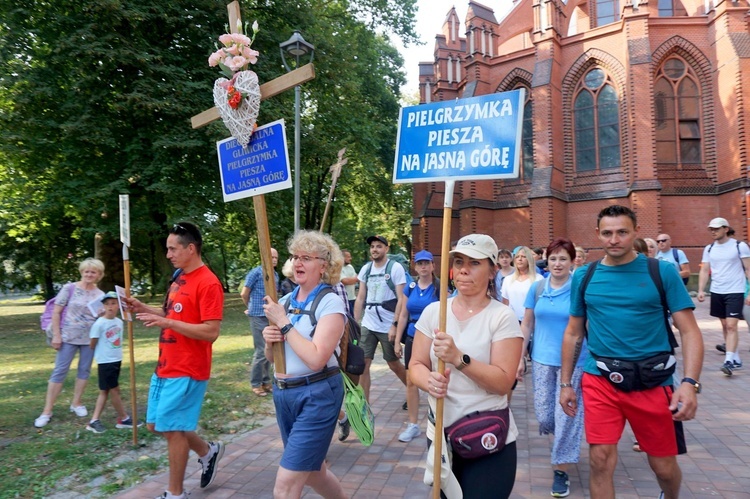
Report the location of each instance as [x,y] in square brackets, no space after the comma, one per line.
[46,319]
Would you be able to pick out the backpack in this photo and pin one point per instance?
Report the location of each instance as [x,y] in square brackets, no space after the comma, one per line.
[413,284]
[655,274]
[389,305]
[676,257]
[352,357]
[45,321]
[738,252]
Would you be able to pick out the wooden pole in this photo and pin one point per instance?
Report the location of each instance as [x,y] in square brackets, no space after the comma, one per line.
[269,282]
[335,172]
[131,346]
[442,326]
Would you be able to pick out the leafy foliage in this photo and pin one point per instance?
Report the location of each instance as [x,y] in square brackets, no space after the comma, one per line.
[95,100]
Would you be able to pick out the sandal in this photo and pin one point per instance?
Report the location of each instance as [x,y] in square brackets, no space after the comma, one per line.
[267,388]
[260,392]
[636,446]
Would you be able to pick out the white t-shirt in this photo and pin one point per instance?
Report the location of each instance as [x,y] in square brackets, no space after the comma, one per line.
[348,271]
[109,347]
[379,319]
[727,273]
[515,292]
[330,304]
[474,337]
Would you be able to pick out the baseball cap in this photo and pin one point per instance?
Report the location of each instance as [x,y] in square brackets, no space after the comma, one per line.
[377,238]
[718,222]
[477,246]
[422,256]
[108,295]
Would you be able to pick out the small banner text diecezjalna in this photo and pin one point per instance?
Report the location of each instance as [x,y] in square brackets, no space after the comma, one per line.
[464,139]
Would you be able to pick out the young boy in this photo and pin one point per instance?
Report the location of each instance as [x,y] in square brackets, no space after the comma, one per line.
[108,355]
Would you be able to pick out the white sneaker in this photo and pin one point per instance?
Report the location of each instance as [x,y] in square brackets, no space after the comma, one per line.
[42,420]
[80,410]
[412,431]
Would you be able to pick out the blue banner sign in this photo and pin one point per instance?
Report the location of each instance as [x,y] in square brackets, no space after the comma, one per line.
[259,168]
[464,139]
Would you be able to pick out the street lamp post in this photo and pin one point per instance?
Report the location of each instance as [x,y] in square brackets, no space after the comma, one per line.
[296,47]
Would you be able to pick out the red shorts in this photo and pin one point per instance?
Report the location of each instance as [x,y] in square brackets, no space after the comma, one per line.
[606,409]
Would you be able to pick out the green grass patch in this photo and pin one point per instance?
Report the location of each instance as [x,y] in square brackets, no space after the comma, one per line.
[63,455]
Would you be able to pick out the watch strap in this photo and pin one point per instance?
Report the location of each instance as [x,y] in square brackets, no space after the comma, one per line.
[286,329]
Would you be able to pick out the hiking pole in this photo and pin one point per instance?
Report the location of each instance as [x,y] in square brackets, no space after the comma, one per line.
[442,326]
[125,238]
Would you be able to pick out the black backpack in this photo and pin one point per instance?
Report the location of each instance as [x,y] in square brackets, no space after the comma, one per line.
[655,274]
[352,358]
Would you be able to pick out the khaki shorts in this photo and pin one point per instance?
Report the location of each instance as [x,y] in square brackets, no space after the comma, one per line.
[369,342]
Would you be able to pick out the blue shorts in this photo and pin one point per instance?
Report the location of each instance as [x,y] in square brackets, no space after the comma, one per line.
[307,417]
[174,404]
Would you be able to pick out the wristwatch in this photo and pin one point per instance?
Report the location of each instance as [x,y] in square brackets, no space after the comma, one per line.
[696,384]
[286,329]
[465,361]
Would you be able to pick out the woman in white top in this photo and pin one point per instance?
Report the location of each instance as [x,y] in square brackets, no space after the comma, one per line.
[481,349]
[308,396]
[516,287]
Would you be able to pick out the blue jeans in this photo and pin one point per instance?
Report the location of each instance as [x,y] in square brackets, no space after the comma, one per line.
[259,373]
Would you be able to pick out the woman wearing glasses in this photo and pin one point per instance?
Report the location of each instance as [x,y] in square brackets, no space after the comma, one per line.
[308,396]
[546,315]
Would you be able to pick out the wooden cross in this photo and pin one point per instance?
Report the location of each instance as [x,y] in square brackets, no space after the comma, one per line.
[335,173]
[267,90]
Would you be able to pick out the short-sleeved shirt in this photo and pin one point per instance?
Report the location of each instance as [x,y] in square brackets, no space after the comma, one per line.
[515,292]
[254,282]
[551,314]
[668,256]
[727,273]
[624,312]
[109,344]
[348,271]
[474,337]
[379,319]
[194,298]
[416,301]
[78,318]
[330,304]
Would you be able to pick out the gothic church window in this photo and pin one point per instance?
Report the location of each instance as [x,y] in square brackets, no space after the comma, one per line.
[677,105]
[596,112]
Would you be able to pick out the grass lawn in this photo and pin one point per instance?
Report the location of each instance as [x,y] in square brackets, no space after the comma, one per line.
[63,455]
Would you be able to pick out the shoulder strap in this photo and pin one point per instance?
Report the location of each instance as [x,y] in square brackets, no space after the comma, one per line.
[388,271]
[676,256]
[655,273]
[585,282]
[313,308]
[367,273]
[710,246]
[436,287]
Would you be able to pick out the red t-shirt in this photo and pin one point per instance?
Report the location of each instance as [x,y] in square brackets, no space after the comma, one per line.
[194,298]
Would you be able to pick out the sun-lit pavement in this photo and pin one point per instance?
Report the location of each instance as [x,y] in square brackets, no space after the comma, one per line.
[717,463]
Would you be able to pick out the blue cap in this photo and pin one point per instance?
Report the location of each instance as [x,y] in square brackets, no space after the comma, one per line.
[422,256]
[108,295]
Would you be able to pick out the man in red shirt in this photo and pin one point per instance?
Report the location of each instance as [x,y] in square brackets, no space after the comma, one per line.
[190,321]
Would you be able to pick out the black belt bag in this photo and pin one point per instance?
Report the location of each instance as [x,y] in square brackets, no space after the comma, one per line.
[631,376]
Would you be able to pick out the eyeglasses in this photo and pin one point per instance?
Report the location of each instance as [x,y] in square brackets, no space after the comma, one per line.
[662,240]
[306,258]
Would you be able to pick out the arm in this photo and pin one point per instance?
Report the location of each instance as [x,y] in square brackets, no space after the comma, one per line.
[571,350]
[93,342]
[527,326]
[245,295]
[137,307]
[56,342]
[348,281]
[685,270]
[703,280]
[206,330]
[397,312]
[359,303]
[746,267]
[403,323]
[684,399]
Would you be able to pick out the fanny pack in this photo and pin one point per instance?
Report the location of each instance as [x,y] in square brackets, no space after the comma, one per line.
[479,434]
[630,376]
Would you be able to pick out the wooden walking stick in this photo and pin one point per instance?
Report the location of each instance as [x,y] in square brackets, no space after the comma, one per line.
[125,238]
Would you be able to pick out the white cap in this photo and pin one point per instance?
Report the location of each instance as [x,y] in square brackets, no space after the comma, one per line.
[477,246]
[718,222]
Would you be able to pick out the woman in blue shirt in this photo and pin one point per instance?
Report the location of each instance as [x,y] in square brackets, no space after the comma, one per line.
[419,294]
[546,315]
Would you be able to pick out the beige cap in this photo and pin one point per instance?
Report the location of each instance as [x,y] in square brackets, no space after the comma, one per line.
[477,246]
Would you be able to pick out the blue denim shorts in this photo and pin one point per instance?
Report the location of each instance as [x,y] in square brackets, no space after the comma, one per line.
[307,418]
[174,404]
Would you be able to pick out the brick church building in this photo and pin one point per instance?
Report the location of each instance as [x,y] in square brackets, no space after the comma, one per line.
[628,102]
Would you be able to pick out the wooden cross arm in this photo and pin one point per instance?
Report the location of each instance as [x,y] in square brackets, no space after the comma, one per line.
[276,86]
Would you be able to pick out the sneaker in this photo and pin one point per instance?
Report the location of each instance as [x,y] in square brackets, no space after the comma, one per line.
[210,468]
[661,495]
[727,368]
[411,432]
[736,365]
[80,411]
[42,420]
[184,495]
[126,424]
[722,347]
[560,485]
[343,429]
[96,426]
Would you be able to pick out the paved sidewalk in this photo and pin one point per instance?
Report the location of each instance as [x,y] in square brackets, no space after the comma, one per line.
[717,463]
